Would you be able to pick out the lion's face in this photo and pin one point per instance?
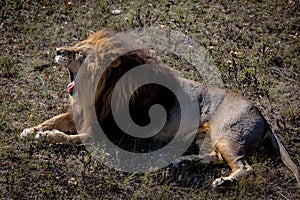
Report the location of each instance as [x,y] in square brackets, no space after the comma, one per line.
[72,60]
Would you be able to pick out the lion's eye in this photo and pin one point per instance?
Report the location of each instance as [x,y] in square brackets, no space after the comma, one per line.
[60,53]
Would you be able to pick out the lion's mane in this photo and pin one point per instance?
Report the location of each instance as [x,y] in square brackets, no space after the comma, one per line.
[105,48]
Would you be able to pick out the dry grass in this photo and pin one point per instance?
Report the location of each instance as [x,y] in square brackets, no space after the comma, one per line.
[256,46]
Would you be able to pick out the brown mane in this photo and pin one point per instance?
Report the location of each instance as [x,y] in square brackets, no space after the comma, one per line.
[94,46]
[143,98]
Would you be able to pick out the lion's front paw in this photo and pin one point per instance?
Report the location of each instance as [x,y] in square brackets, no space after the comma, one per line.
[222,181]
[28,132]
[41,136]
[54,136]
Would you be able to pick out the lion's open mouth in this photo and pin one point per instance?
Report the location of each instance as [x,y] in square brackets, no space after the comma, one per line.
[61,59]
[70,87]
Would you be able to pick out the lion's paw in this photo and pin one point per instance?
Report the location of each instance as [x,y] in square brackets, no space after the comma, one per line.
[28,132]
[54,136]
[41,136]
[222,181]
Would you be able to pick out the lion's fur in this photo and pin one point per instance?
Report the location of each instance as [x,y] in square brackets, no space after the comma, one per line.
[235,127]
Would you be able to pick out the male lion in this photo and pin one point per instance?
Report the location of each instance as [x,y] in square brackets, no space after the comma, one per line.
[235,127]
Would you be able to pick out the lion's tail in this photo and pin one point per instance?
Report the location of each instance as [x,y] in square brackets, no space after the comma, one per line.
[280,150]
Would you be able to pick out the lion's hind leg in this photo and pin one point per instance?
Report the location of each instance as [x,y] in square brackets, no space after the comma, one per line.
[206,155]
[208,158]
[240,168]
[233,149]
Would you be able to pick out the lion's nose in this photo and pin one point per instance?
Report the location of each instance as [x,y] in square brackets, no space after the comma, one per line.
[59,52]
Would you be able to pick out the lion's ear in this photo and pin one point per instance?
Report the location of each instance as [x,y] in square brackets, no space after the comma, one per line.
[116,63]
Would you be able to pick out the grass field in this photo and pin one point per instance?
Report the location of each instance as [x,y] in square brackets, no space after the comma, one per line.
[255,44]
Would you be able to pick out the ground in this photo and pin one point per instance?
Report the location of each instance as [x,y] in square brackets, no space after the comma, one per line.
[254,44]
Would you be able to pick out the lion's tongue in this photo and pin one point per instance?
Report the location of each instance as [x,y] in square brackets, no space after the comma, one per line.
[70,87]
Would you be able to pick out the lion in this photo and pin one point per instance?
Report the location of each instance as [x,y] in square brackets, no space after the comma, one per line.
[235,127]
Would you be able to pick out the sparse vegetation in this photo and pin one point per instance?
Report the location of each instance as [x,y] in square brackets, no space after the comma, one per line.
[255,44]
